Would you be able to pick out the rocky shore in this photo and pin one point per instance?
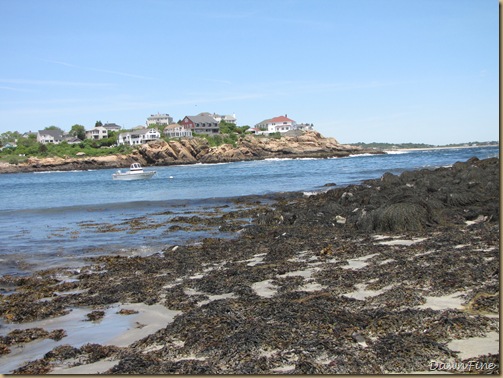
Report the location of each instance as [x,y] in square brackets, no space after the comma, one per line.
[197,150]
[396,275]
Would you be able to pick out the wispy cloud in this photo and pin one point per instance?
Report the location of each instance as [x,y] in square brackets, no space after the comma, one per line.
[13,89]
[119,73]
[52,83]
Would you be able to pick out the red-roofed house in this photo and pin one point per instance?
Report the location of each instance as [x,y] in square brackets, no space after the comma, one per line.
[280,124]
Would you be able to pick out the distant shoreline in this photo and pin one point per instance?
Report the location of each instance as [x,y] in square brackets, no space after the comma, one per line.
[438,148]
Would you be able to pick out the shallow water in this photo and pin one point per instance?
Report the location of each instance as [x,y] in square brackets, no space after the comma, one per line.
[113,329]
[60,218]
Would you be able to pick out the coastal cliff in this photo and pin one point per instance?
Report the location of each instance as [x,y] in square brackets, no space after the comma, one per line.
[198,150]
[307,145]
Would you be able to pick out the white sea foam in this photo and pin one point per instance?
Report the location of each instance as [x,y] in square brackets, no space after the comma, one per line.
[396,152]
[74,170]
[358,155]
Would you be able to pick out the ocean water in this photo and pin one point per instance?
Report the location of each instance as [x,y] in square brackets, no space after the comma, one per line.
[61,218]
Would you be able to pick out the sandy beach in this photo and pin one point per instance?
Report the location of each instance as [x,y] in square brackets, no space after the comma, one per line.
[397,275]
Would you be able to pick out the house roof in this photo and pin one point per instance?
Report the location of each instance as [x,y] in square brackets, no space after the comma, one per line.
[264,121]
[202,119]
[173,126]
[96,128]
[281,119]
[158,115]
[215,116]
[146,131]
[111,126]
[139,131]
[53,133]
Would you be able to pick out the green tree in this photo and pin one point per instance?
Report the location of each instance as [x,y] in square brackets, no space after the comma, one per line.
[242,129]
[276,135]
[98,123]
[9,136]
[43,149]
[78,131]
[14,160]
[226,127]
[31,140]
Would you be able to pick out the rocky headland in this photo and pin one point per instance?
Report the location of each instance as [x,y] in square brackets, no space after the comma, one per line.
[198,150]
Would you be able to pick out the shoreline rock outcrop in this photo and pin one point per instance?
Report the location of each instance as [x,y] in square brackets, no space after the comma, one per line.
[198,150]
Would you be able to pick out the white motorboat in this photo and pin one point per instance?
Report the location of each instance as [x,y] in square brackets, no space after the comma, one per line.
[135,172]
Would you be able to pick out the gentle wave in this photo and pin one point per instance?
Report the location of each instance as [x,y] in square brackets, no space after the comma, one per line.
[75,170]
[356,155]
[291,159]
[396,152]
[198,164]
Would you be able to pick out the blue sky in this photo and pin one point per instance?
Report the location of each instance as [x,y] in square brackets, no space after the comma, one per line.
[423,71]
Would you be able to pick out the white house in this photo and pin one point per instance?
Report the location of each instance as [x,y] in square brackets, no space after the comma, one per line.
[159,119]
[55,137]
[137,137]
[226,118]
[8,145]
[305,126]
[50,136]
[280,124]
[112,126]
[177,131]
[99,132]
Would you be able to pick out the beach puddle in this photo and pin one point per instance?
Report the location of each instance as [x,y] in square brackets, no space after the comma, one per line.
[112,329]
[476,346]
[93,368]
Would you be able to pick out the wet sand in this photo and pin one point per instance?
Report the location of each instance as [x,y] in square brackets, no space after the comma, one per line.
[391,276]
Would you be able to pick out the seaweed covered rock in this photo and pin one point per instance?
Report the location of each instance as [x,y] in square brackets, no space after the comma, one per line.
[400,216]
[413,201]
